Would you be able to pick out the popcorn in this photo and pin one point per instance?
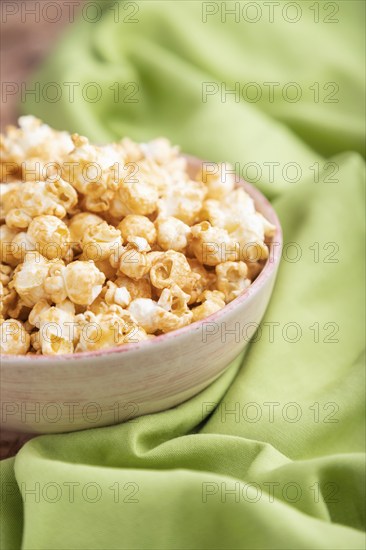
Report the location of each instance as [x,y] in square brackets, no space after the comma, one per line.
[218,178]
[183,201]
[29,278]
[212,301]
[117,295]
[254,268]
[137,289]
[102,246]
[153,317]
[109,329]
[80,223]
[105,267]
[7,248]
[83,282]
[213,245]
[5,274]
[133,262]
[169,269]
[172,233]
[21,244]
[231,279]
[199,281]
[145,312]
[138,197]
[246,228]
[160,150]
[101,241]
[56,326]
[50,236]
[7,296]
[14,340]
[17,219]
[92,170]
[33,139]
[8,197]
[132,150]
[39,197]
[134,225]
[174,301]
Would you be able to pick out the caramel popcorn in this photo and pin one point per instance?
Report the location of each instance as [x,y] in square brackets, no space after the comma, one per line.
[218,178]
[134,225]
[231,279]
[172,234]
[14,339]
[102,246]
[56,326]
[212,301]
[100,241]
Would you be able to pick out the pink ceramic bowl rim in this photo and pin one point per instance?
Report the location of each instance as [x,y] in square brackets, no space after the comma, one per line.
[263,205]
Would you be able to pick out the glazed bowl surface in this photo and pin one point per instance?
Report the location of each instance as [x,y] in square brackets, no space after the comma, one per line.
[53,394]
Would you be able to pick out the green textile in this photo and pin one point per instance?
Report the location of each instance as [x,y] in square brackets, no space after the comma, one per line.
[271,455]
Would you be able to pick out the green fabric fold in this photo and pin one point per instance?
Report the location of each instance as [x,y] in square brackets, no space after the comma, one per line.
[270,456]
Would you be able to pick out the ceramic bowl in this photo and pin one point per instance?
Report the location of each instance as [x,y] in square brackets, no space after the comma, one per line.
[44,394]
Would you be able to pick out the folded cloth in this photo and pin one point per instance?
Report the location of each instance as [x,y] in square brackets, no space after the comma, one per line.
[271,454]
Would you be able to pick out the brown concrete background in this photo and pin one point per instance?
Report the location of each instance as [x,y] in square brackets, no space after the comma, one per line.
[25,39]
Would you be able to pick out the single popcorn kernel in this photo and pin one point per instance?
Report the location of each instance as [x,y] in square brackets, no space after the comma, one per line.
[212,301]
[100,242]
[14,339]
[172,233]
[134,225]
[56,327]
[8,197]
[232,279]
[7,248]
[91,170]
[175,300]
[63,193]
[50,235]
[183,201]
[29,278]
[218,178]
[17,219]
[103,246]
[213,245]
[138,197]
[133,263]
[83,282]
[22,244]
[145,312]
[80,223]
[254,269]
[169,269]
